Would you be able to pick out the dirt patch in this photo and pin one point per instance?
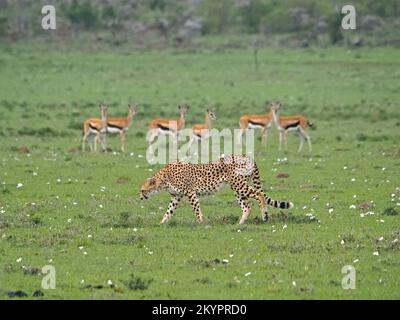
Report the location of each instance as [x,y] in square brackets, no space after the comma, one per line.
[365,206]
[282,175]
[23,149]
[122,180]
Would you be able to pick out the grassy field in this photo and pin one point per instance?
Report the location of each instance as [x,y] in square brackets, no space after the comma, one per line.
[81,213]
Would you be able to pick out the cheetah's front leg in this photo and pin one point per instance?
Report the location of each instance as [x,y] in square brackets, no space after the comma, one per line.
[194,200]
[171,208]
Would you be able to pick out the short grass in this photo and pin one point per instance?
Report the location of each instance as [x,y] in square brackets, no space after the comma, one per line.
[81,213]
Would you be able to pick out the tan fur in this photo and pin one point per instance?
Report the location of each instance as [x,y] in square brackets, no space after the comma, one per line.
[174,125]
[263,119]
[202,129]
[285,124]
[99,125]
[123,123]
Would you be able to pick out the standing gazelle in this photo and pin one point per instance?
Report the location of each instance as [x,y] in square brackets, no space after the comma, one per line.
[95,126]
[166,126]
[252,121]
[121,125]
[202,131]
[297,123]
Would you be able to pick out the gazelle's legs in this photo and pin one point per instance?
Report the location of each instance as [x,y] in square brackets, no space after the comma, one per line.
[285,137]
[123,138]
[85,137]
[102,139]
[171,208]
[281,133]
[264,134]
[96,140]
[301,135]
[307,137]
[91,143]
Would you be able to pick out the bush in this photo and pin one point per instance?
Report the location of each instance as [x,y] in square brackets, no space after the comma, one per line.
[335,28]
[3,24]
[137,283]
[252,15]
[391,211]
[83,14]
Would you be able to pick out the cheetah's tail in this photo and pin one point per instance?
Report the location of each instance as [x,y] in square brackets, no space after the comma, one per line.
[279,204]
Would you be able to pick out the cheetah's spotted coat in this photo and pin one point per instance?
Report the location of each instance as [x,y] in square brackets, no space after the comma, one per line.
[189,180]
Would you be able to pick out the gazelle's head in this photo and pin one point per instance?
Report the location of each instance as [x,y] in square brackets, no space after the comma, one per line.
[133,109]
[183,109]
[275,106]
[150,187]
[211,114]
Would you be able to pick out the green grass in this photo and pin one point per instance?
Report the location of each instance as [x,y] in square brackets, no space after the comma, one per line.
[351,96]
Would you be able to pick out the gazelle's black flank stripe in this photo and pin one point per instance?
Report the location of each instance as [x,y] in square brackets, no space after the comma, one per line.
[114,126]
[93,127]
[292,125]
[160,126]
[256,123]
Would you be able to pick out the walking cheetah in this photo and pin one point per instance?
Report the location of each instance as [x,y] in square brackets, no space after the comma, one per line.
[193,180]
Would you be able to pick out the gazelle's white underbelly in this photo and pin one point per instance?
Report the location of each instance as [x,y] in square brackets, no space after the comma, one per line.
[256,126]
[165,131]
[293,129]
[113,130]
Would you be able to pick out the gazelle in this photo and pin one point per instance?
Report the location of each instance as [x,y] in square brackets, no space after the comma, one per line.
[202,131]
[95,126]
[121,125]
[297,123]
[166,126]
[252,121]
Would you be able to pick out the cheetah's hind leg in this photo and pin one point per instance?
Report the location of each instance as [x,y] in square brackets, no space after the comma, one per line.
[194,201]
[245,206]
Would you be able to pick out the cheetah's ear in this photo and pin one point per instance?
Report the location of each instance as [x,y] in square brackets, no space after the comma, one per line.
[153,181]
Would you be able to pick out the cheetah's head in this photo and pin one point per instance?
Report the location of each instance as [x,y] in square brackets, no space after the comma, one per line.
[150,187]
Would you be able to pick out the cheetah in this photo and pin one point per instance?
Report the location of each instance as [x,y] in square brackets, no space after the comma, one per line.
[190,180]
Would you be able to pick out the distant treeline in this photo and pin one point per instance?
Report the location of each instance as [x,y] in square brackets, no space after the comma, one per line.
[180,20]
